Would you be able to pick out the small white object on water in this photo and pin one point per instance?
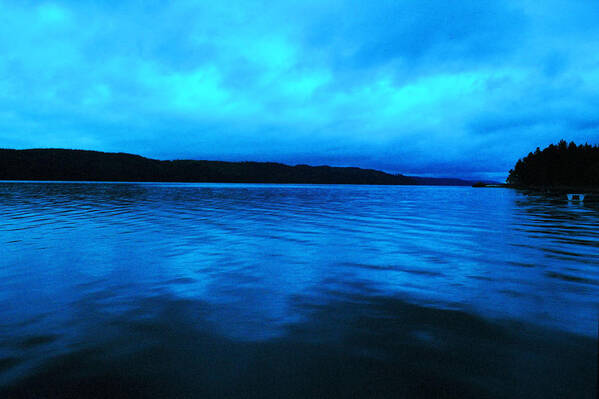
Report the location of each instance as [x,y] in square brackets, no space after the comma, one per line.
[579,197]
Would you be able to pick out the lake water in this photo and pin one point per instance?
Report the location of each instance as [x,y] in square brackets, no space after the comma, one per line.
[224,290]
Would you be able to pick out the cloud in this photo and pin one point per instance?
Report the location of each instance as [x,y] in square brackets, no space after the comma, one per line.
[431,86]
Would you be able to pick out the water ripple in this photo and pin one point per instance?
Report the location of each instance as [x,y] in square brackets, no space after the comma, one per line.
[264,260]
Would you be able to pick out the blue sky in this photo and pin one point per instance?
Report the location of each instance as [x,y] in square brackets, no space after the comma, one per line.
[444,88]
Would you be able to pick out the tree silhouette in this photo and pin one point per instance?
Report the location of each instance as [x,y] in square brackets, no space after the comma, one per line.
[558,165]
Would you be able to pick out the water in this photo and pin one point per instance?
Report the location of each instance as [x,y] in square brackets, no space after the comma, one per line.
[223,290]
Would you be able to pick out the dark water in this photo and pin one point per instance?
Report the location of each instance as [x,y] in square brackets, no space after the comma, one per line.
[179,290]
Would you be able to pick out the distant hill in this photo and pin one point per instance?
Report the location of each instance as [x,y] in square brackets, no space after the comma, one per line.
[561,165]
[80,165]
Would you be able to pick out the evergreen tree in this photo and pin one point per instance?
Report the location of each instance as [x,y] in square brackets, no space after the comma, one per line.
[558,165]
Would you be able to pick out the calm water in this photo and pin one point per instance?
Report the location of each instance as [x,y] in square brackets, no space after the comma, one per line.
[206,290]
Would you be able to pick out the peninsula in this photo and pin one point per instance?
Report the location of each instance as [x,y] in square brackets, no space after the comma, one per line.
[561,166]
[82,165]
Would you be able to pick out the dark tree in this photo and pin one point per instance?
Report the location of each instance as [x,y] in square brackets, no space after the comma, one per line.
[561,165]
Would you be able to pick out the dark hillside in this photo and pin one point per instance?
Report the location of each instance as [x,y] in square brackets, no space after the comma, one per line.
[60,164]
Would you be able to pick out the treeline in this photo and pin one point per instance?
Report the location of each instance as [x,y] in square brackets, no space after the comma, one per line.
[80,165]
[561,165]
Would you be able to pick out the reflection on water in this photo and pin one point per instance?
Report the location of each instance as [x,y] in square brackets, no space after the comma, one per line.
[207,290]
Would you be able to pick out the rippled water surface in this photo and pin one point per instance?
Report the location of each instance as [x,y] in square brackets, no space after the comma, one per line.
[206,290]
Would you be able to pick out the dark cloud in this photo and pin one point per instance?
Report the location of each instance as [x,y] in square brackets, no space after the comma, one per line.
[456,31]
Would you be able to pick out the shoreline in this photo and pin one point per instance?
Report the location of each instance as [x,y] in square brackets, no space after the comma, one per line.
[591,194]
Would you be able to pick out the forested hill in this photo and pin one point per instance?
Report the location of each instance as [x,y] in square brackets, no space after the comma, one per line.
[60,164]
[561,165]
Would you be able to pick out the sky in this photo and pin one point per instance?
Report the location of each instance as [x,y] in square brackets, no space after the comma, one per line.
[423,87]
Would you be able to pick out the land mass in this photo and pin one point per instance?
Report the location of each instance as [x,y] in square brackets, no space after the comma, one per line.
[82,165]
[562,166]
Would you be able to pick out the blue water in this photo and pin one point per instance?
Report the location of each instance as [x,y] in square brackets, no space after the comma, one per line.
[230,290]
